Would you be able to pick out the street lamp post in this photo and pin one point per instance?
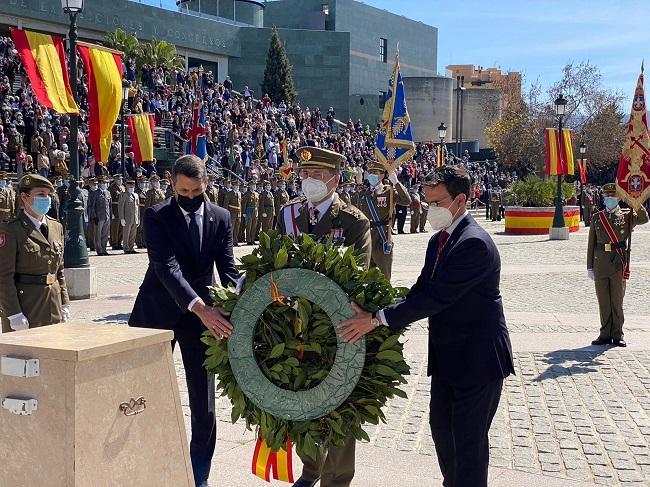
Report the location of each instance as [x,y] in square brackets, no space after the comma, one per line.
[559,231]
[583,151]
[442,133]
[125,96]
[76,252]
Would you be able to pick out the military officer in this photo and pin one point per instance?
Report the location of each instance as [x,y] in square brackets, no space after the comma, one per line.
[62,194]
[141,188]
[267,208]
[212,191]
[100,212]
[280,197]
[154,194]
[323,214]
[116,189]
[587,205]
[164,186]
[416,209]
[424,210]
[93,186]
[607,262]
[232,203]
[495,204]
[377,204]
[128,211]
[7,199]
[32,283]
[344,193]
[250,203]
[55,209]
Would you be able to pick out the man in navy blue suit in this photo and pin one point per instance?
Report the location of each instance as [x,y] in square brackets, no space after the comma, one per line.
[469,347]
[186,236]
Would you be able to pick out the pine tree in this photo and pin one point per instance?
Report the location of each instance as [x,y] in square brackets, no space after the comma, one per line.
[278,82]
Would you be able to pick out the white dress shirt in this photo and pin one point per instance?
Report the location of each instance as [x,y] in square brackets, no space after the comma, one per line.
[37,223]
[323,206]
[198,215]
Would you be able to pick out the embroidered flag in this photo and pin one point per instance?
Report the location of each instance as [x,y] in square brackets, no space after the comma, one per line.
[141,126]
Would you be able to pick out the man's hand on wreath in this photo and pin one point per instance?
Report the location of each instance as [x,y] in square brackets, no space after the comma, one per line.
[214,319]
[356,327]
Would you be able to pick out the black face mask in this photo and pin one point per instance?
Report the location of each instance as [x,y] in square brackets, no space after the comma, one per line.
[190,204]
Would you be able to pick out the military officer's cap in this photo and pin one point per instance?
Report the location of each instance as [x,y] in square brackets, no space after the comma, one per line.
[117,176]
[154,177]
[31,181]
[609,189]
[376,166]
[92,181]
[317,158]
[165,181]
[130,181]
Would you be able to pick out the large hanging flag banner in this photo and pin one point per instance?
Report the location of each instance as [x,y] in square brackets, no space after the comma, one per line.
[43,57]
[559,153]
[104,71]
[197,143]
[394,143]
[141,126]
[633,176]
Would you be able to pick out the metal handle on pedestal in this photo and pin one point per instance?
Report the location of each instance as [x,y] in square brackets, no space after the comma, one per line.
[134,406]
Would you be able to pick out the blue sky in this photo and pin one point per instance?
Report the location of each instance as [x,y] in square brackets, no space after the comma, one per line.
[538,37]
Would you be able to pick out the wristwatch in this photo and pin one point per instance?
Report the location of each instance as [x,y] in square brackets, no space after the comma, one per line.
[374,321]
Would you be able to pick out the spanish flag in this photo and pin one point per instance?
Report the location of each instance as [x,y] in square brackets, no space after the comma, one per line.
[266,461]
[104,71]
[559,154]
[43,57]
[141,129]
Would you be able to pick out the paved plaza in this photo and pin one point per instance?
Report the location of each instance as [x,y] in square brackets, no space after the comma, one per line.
[574,415]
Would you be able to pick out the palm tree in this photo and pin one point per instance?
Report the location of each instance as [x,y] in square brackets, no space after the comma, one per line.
[123,41]
[160,54]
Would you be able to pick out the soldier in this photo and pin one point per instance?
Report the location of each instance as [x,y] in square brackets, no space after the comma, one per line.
[250,204]
[607,262]
[164,186]
[212,191]
[141,188]
[226,186]
[267,208]
[495,204]
[232,203]
[344,193]
[377,204]
[34,292]
[62,193]
[93,187]
[155,194]
[416,209]
[323,214]
[280,197]
[55,209]
[99,212]
[128,210]
[587,205]
[116,189]
[7,200]
[424,210]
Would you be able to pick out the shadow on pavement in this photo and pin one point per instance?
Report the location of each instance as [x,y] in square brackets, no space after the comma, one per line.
[119,317]
[561,363]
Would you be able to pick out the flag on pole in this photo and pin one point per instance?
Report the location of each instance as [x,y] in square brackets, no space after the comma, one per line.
[633,175]
[141,127]
[197,143]
[582,166]
[394,143]
[44,61]
[104,71]
[559,153]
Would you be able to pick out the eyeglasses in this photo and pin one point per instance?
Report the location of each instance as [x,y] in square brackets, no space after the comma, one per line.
[437,203]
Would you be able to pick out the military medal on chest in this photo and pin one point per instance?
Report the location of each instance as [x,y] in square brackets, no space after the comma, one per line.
[382,201]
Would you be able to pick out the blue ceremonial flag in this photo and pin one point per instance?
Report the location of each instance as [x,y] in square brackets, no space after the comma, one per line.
[197,144]
[394,143]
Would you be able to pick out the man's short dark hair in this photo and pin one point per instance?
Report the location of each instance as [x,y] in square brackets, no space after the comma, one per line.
[454,178]
[190,166]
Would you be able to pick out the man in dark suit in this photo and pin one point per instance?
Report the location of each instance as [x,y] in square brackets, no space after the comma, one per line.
[469,347]
[185,236]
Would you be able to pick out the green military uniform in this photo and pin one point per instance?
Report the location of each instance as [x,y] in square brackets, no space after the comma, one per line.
[154,195]
[116,228]
[55,210]
[383,198]
[495,205]
[424,210]
[91,227]
[212,191]
[266,210]
[608,266]
[587,206]
[141,189]
[335,466]
[280,198]
[232,203]
[222,192]
[31,267]
[344,194]
[416,211]
[7,199]
[250,202]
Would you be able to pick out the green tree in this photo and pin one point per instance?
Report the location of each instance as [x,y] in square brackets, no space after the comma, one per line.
[123,41]
[278,82]
[160,54]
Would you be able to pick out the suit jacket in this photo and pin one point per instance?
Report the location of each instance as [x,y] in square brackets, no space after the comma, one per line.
[128,207]
[175,275]
[99,205]
[468,338]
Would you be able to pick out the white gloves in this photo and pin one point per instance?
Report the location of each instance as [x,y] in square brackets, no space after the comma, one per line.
[240,283]
[18,322]
[590,274]
[393,177]
[66,312]
[123,222]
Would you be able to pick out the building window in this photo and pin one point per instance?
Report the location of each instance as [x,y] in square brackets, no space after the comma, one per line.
[383,50]
[326,8]
[382,99]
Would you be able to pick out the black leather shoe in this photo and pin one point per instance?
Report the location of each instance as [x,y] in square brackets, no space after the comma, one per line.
[305,483]
[602,341]
[619,342]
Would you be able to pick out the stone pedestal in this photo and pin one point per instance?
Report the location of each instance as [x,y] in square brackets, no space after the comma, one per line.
[558,233]
[81,282]
[91,406]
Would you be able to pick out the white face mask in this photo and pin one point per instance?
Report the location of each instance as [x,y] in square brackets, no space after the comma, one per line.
[440,217]
[315,190]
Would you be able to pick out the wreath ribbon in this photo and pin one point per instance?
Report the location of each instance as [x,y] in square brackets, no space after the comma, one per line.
[266,461]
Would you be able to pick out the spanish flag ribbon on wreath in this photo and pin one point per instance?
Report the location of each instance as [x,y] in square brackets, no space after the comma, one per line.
[394,143]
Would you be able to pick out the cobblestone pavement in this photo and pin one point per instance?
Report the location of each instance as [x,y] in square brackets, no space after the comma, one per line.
[572,411]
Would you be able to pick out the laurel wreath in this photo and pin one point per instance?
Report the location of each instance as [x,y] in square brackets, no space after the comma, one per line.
[295,344]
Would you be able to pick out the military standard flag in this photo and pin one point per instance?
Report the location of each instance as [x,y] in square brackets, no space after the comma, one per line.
[141,126]
[43,57]
[633,175]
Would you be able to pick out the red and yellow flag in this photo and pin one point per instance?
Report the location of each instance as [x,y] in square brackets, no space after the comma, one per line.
[141,127]
[440,155]
[43,57]
[559,153]
[280,463]
[633,175]
[582,166]
[104,71]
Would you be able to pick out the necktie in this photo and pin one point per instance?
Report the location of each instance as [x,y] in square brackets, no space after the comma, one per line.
[313,218]
[44,230]
[195,236]
[442,240]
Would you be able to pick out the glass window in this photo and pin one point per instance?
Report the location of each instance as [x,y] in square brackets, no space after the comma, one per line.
[383,49]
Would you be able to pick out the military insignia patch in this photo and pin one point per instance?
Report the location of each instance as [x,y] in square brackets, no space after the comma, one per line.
[28,181]
[305,155]
[3,240]
[382,201]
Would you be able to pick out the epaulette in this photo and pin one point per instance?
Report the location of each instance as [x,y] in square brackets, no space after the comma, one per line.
[351,210]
